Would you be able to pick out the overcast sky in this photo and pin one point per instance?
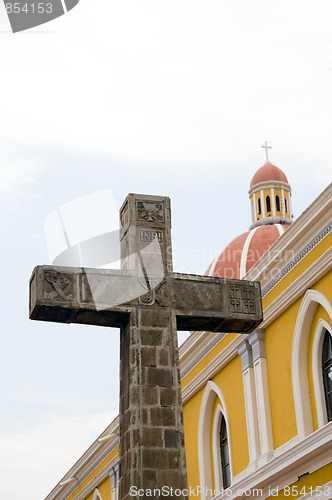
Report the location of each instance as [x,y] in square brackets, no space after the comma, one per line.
[172,98]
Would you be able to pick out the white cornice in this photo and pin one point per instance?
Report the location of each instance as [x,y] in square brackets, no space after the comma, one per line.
[268,184]
[88,461]
[297,288]
[308,455]
[97,480]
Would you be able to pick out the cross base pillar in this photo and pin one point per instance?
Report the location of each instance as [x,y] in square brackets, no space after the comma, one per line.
[152,453]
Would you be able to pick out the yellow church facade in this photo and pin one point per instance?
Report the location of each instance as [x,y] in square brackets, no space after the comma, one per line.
[257,408]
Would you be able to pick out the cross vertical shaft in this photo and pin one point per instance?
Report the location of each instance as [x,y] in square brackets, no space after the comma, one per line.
[152,453]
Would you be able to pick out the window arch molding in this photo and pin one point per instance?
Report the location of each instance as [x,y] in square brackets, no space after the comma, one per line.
[204,428]
[317,370]
[308,307]
[96,495]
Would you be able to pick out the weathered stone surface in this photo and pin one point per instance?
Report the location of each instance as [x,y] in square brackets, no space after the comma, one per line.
[171,438]
[149,303]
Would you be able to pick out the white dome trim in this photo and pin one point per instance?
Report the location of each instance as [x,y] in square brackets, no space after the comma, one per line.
[243,263]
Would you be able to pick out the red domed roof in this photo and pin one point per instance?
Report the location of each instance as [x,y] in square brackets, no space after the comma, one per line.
[244,251]
[268,172]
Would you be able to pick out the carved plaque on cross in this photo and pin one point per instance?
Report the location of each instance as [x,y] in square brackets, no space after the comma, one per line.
[149,303]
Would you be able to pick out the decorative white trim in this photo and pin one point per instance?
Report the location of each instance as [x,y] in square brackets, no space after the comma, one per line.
[95,482]
[273,202]
[255,208]
[268,184]
[299,359]
[286,447]
[96,495]
[303,253]
[216,447]
[212,268]
[263,409]
[290,205]
[280,229]
[308,455]
[251,417]
[297,288]
[93,456]
[317,371]
[262,203]
[204,427]
[244,255]
[282,203]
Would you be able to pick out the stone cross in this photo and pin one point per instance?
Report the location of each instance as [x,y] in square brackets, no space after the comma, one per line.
[266,147]
[149,303]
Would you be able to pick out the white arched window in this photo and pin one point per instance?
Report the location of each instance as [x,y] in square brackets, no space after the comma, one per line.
[327,373]
[220,449]
[221,464]
[310,302]
[268,204]
[277,203]
[322,372]
[259,206]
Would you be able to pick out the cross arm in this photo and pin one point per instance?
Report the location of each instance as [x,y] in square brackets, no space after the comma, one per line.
[77,295]
[216,304]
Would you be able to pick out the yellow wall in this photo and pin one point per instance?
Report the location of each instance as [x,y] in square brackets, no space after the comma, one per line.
[104,489]
[231,384]
[227,379]
[278,345]
[267,191]
[190,418]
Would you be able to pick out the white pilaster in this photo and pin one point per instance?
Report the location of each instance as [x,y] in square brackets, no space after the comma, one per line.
[273,201]
[257,342]
[290,206]
[255,207]
[250,403]
[262,202]
[283,208]
[114,475]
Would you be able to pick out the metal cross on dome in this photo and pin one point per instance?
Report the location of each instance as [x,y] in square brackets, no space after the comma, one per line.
[266,147]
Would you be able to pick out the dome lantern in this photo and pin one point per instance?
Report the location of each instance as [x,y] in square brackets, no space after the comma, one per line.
[270,196]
